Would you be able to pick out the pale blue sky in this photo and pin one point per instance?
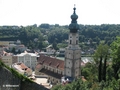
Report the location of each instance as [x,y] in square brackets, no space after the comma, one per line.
[29,12]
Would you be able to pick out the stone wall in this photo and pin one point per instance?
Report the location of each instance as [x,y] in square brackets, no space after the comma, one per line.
[8,81]
[32,86]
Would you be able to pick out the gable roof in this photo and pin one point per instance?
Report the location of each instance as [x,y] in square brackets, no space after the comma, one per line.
[21,67]
[53,62]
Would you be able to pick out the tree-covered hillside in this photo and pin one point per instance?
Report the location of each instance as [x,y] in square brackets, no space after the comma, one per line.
[35,36]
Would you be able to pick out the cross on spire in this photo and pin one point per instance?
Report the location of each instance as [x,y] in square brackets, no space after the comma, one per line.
[74,5]
[74,8]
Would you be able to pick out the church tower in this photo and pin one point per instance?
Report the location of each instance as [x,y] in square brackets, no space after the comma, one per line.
[72,62]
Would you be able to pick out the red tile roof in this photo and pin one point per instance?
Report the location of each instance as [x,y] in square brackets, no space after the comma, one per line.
[53,62]
[24,67]
[38,66]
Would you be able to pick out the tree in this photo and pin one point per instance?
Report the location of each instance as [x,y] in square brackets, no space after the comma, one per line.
[89,71]
[46,26]
[115,53]
[19,51]
[13,50]
[75,85]
[55,45]
[101,56]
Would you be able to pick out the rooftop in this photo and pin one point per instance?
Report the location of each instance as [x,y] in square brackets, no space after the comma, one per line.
[21,67]
[30,54]
[53,62]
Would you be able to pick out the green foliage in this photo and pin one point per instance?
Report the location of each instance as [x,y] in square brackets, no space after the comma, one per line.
[13,50]
[101,51]
[100,57]
[62,45]
[80,85]
[56,33]
[46,26]
[89,71]
[115,53]
[75,85]
[1,63]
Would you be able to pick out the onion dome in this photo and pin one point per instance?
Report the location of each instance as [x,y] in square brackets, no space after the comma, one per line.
[74,17]
[74,26]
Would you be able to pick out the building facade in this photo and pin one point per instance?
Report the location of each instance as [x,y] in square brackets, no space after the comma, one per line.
[7,60]
[29,59]
[50,66]
[72,61]
[50,50]
[5,43]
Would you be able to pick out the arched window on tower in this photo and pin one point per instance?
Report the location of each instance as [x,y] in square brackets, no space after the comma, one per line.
[70,41]
[76,41]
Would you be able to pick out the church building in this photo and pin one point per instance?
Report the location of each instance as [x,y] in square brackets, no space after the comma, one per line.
[72,53]
[70,67]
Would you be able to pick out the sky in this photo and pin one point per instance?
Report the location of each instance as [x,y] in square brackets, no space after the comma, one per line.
[30,12]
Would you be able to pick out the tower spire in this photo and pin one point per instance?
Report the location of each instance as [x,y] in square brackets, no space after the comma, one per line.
[72,53]
[74,8]
[74,26]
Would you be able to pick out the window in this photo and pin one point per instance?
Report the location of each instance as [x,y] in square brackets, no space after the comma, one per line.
[76,41]
[70,41]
